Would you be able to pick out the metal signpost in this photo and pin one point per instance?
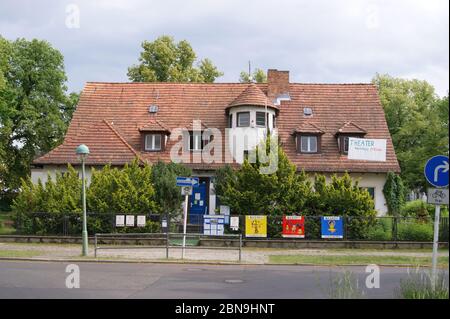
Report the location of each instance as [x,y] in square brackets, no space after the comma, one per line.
[186,184]
[436,173]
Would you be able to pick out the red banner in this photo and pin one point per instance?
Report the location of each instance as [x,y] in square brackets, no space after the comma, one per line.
[293,227]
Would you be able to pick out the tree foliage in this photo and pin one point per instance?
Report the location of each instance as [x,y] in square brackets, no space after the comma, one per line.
[167,193]
[163,60]
[133,189]
[285,191]
[418,122]
[394,193]
[127,190]
[34,107]
[259,76]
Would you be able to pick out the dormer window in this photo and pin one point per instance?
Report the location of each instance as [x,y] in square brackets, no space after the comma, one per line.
[308,138]
[153,142]
[346,131]
[153,136]
[243,119]
[308,143]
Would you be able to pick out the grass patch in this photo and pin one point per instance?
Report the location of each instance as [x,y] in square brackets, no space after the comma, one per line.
[20,253]
[355,260]
[418,286]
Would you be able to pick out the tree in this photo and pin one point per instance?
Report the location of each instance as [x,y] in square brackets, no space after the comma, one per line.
[418,122]
[167,194]
[163,60]
[394,192]
[259,76]
[35,109]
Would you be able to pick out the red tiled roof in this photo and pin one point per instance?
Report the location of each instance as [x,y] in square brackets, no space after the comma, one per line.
[154,126]
[308,128]
[109,116]
[350,128]
[252,95]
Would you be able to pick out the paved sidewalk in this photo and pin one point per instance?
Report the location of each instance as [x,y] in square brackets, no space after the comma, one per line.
[249,255]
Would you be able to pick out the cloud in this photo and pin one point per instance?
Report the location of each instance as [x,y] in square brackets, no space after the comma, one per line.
[318,41]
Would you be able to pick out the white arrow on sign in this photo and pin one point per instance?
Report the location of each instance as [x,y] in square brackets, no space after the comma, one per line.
[444,167]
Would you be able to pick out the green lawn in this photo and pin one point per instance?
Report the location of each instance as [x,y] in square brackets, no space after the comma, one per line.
[20,253]
[355,260]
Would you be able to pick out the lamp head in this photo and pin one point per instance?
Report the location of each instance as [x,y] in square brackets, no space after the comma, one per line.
[82,151]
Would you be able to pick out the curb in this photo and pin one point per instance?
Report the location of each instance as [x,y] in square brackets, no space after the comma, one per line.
[194,262]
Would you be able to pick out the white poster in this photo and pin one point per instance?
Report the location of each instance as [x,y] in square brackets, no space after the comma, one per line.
[141,221]
[213,225]
[120,220]
[234,222]
[367,149]
[130,220]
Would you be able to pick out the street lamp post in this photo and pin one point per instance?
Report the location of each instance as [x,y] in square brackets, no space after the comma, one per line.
[83,151]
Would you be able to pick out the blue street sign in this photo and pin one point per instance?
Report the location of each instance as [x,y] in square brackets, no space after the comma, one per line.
[436,171]
[187,181]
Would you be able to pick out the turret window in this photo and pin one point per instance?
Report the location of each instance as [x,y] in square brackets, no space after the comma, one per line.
[261,119]
[243,119]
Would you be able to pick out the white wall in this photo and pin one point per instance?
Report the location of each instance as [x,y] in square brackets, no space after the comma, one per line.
[375,180]
[42,173]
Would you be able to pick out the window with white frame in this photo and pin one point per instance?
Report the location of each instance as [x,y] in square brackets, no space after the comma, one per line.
[308,144]
[153,142]
[195,141]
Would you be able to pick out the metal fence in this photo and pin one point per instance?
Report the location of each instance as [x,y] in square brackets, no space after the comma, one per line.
[167,241]
[355,228]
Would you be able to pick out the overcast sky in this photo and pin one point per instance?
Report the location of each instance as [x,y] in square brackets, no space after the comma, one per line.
[317,41]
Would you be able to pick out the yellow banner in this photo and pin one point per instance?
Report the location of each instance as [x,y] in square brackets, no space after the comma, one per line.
[255,226]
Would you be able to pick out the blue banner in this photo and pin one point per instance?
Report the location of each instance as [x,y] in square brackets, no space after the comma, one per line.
[332,227]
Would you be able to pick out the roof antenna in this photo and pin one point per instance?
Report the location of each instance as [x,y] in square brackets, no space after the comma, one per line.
[250,79]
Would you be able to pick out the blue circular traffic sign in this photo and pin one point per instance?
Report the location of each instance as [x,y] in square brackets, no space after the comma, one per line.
[436,171]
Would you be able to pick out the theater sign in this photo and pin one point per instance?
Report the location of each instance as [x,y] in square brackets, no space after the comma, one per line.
[367,149]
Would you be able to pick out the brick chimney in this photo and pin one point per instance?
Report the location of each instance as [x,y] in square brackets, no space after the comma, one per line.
[278,83]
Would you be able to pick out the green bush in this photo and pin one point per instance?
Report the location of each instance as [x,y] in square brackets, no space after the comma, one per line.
[415,231]
[130,190]
[417,209]
[381,231]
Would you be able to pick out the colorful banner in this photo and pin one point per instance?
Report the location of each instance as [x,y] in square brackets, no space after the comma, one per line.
[332,227]
[255,226]
[293,227]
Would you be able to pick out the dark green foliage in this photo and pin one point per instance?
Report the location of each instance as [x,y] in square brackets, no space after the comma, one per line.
[394,193]
[418,122]
[415,231]
[381,231]
[48,208]
[129,190]
[34,106]
[167,193]
[163,60]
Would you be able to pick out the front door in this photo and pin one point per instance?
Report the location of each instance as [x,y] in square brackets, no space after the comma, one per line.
[198,204]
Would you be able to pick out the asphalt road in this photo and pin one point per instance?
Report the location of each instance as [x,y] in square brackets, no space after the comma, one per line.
[122,280]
